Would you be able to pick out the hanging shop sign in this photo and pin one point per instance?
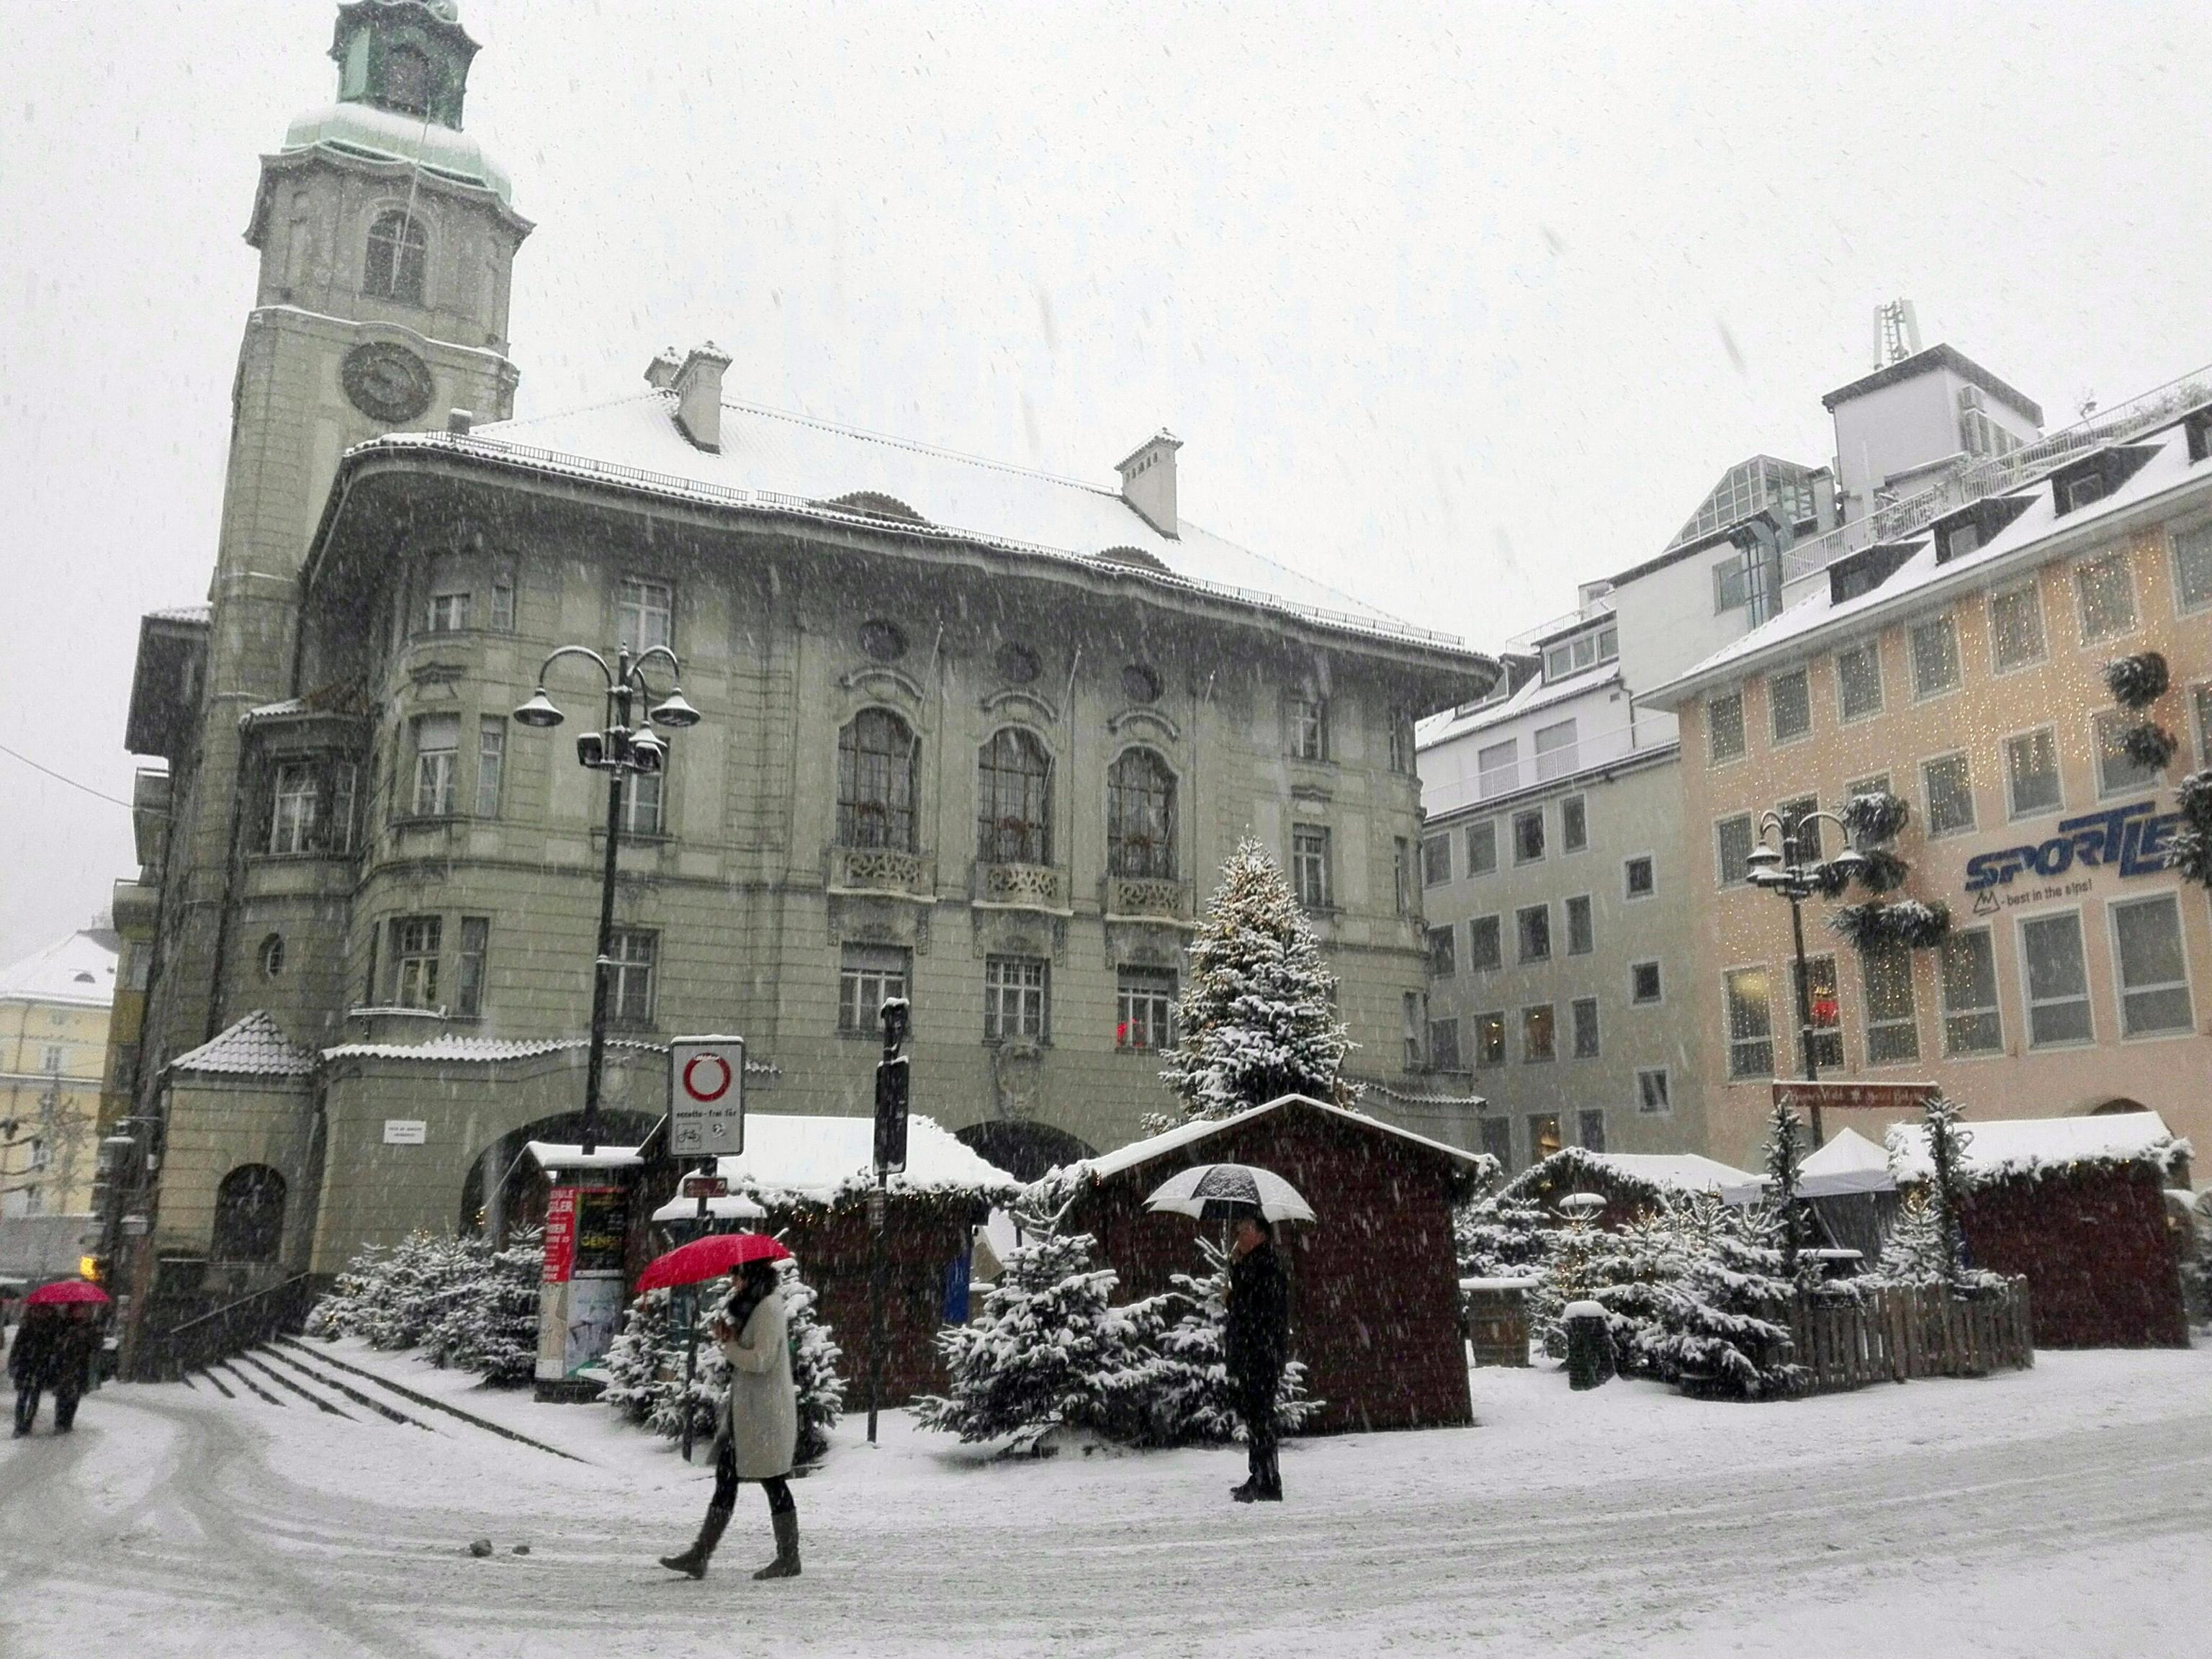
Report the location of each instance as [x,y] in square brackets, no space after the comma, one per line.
[2130,840]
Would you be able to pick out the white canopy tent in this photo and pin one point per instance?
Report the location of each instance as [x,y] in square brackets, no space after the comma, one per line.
[1848,1164]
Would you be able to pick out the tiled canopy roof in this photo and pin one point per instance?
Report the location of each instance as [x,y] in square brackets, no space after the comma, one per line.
[255,1047]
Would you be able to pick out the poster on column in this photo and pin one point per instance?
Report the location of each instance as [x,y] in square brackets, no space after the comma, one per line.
[584,1288]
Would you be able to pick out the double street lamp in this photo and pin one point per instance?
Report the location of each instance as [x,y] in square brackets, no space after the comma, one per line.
[626,745]
[1787,861]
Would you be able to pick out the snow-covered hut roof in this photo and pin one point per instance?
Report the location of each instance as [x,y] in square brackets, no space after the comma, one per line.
[820,1160]
[571,1155]
[78,970]
[1647,1174]
[801,465]
[255,1047]
[2045,1146]
[1848,1162]
[1138,1153]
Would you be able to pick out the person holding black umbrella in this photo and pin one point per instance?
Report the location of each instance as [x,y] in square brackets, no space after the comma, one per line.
[1255,1339]
[758,1438]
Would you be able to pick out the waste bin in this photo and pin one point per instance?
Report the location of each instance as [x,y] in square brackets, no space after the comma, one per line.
[1589,1345]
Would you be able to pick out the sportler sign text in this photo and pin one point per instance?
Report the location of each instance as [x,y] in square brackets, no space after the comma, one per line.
[707,1096]
[2130,840]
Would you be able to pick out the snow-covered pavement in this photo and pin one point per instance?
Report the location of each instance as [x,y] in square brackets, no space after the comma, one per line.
[2065,1510]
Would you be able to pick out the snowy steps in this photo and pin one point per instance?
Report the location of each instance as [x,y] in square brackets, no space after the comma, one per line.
[288,1349]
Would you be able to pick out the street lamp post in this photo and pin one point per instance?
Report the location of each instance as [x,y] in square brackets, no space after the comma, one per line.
[1791,864]
[618,750]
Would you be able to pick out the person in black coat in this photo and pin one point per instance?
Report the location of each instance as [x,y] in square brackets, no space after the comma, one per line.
[1255,1340]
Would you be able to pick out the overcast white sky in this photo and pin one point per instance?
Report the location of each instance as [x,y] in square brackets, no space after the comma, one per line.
[1452,305]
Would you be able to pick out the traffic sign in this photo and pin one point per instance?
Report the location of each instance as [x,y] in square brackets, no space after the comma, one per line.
[706,1185]
[707,1096]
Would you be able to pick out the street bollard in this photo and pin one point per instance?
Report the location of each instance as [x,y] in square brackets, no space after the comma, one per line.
[1589,1345]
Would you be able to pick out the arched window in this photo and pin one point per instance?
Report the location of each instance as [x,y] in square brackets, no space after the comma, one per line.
[875,782]
[249,1214]
[1141,807]
[1013,799]
[398,254]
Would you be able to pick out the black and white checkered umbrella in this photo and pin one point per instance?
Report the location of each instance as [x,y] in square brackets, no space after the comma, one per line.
[1216,1192]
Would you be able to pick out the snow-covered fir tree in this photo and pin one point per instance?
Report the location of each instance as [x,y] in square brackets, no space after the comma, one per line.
[359,1284]
[1947,1139]
[1784,1138]
[1049,1351]
[1723,1328]
[1499,1237]
[636,1358]
[814,1358]
[1183,1388]
[1256,1021]
[492,1325]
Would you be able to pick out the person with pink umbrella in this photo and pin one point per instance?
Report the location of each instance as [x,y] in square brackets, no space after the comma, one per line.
[54,1347]
[757,1436]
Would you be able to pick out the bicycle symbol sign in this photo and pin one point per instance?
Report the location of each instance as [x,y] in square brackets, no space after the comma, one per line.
[707,1096]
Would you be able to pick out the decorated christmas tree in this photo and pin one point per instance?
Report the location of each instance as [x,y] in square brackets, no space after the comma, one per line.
[1255,1020]
[1049,1351]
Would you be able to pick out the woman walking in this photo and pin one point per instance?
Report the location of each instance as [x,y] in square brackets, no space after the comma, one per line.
[1255,1342]
[757,1436]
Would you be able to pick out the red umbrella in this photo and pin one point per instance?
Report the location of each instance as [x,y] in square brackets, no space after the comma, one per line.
[708,1258]
[64,1289]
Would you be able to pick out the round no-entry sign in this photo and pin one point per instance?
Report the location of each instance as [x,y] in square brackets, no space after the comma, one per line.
[707,1096]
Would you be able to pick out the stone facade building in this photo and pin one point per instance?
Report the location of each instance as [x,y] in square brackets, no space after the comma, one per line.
[971,734]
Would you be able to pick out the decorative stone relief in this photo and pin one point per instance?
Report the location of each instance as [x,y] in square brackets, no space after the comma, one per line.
[1022,883]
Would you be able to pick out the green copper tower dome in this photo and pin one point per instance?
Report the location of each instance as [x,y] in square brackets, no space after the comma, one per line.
[403,75]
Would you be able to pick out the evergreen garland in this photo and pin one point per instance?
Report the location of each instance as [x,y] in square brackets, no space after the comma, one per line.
[1254,1020]
[1877,818]
[2149,745]
[2189,851]
[1905,924]
[2138,681]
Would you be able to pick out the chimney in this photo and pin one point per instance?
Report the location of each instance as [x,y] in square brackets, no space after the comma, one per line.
[698,388]
[1148,480]
[660,373]
[458,421]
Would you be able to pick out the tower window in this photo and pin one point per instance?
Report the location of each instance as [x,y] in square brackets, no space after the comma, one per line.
[407,79]
[399,255]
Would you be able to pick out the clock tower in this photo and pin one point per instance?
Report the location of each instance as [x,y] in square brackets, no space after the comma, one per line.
[387,239]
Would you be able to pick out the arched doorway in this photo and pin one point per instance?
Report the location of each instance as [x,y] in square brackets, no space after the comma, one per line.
[1022,1149]
[494,1181]
[249,1215]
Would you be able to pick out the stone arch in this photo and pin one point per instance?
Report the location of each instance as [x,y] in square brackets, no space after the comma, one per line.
[249,1215]
[2116,1105]
[1022,1149]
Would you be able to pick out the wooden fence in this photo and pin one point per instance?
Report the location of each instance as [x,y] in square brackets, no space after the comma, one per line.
[1894,1335]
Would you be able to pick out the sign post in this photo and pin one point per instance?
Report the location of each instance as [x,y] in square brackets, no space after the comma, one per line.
[893,1082]
[706,1120]
[1905,1098]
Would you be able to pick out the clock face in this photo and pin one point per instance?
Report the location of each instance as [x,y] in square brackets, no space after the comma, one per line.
[387,382]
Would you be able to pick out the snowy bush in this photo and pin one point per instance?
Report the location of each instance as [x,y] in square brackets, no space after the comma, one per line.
[1255,1022]
[1499,1237]
[1626,1271]
[636,1358]
[814,1356]
[2148,744]
[403,1297]
[1050,1351]
[340,1310]
[1183,1393]
[491,1322]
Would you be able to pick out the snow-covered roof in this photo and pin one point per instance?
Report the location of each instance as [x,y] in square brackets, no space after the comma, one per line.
[2038,1145]
[198,614]
[255,1047]
[1649,1172]
[1108,1164]
[821,1159]
[78,970]
[1847,1163]
[1920,579]
[450,1050]
[800,464]
[1537,693]
[570,1155]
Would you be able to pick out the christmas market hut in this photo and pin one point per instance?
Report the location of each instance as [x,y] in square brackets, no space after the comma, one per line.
[2077,1206]
[1629,1182]
[807,1180]
[1374,1292]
